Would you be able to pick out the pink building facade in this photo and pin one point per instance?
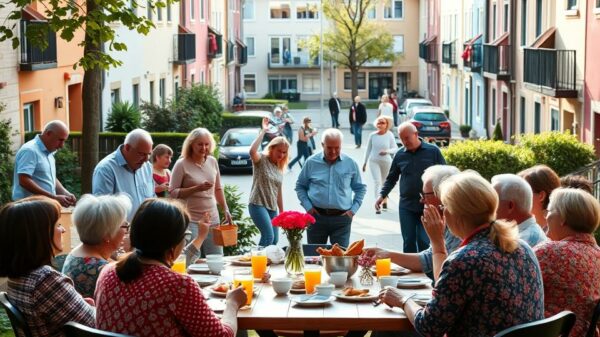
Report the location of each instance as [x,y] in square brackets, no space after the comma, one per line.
[430,51]
[194,18]
[591,119]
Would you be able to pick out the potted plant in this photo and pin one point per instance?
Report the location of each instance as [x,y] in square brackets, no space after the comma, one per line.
[464,130]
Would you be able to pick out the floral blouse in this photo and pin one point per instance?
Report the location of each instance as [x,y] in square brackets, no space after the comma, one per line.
[482,291]
[571,271]
[84,272]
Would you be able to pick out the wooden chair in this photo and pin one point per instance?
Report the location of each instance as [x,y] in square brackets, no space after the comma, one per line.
[16,318]
[559,325]
[73,329]
[594,321]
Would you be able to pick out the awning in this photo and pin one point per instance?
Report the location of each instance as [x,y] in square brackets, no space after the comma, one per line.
[240,42]
[546,40]
[500,40]
[29,13]
[473,40]
[184,30]
[428,40]
[214,31]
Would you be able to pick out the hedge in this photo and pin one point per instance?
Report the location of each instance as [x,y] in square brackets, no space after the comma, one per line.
[266,101]
[231,120]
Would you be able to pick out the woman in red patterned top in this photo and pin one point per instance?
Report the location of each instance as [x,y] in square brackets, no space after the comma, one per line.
[161,160]
[571,261]
[142,296]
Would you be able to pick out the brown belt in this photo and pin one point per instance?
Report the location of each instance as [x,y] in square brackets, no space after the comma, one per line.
[330,211]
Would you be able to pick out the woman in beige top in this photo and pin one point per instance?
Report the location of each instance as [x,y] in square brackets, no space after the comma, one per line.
[197,181]
[267,177]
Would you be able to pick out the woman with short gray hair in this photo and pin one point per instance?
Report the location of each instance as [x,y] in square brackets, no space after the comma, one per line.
[101,225]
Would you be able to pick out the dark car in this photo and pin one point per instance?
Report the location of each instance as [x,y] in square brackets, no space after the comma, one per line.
[234,149]
[432,123]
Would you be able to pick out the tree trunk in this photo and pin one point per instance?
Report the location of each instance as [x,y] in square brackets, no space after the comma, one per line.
[91,110]
[354,78]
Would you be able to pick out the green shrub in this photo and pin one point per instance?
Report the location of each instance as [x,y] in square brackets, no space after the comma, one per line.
[6,161]
[497,134]
[246,228]
[231,120]
[198,106]
[68,171]
[123,117]
[597,235]
[263,101]
[158,119]
[488,157]
[268,96]
[5,326]
[560,151]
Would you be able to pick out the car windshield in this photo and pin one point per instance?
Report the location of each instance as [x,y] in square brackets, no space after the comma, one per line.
[430,117]
[416,104]
[239,138]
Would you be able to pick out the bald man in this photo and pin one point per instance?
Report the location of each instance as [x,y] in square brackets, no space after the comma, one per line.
[409,163]
[35,167]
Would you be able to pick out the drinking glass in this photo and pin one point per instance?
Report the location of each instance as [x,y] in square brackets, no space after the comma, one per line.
[383,267]
[179,264]
[259,262]
[312,277]
[243,277]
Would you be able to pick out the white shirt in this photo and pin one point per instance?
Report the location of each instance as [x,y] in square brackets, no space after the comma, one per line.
[386,109]
[378,143]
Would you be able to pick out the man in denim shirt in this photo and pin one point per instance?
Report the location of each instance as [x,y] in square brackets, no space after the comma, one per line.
[325,188]
[408,165]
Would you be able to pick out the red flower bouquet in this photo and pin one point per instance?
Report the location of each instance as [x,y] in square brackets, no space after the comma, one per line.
[290,220]
[293,224]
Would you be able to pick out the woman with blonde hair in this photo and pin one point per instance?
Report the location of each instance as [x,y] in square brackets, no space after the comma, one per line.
[385,108]
[490,283]
[196,180]
[266,195]
[570,260]
[380,147]
[305,136]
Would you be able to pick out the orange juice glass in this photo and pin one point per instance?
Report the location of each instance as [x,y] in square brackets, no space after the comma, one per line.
[383,267]
[179,265]
[312,277]
[259,262]
[244,278]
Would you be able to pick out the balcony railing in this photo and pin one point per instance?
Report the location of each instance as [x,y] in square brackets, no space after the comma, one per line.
[277,61]
[242,54]
[551,71]
[472,57]
[184,50]
[497,61]
[230,57]
[428,51]
[32,57]
[449,53]
[215,44]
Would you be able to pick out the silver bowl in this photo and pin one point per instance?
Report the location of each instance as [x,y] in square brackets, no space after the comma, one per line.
[340,263]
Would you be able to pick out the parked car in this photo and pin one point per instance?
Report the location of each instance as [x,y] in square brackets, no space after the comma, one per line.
[432,123]
[273,131]
[234,149]
[411,103]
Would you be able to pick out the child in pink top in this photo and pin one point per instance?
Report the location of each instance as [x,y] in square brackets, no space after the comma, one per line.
[161,160]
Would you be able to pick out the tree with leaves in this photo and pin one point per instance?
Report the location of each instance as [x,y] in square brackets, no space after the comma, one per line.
[353,39]
[98,19]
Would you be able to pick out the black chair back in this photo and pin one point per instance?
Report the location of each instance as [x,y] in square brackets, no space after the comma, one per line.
[559,325]
[594,322]
[73,329]
[16,318]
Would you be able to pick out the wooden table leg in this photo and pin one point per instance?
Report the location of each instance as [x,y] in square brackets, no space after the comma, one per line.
[266,333]
[356,333]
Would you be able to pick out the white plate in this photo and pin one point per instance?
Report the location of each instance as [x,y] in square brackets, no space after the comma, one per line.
[410,283]
[204,280]
[198,268]
[217,305]
[221,294]
[311,300]
[422,299]
[369,298]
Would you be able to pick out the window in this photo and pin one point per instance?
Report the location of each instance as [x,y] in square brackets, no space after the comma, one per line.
[494,15]
[149,14]
[135,95]
[393,9]
[280,50]
[538,17]
[523,22]
[250,83]
[151,92]
[571,4]
[159,15]
[28,121]
[372,12]
[477,97]
[522,115]
[537,116]
[280,10]
[192,9]
[398,44]
[115,95]
[597,3]
[311,83]
[193,78]
[201,9]
[307,11]
[248,10]
[505,18]
[494,106]
[162,92]
[169,15]
[250,45]
[361,81]
[283,83]
[554,119]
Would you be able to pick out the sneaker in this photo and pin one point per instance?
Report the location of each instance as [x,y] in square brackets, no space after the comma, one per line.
[377,212]
[358,146]
[385,205]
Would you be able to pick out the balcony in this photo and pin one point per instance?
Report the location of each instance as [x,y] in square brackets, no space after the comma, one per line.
[184,48]
[32,57]
[550,72]
[299,61]
[230,57]
[215,43]
[428,50]
[497,61]
[472,54]
[242,52]
[449,54]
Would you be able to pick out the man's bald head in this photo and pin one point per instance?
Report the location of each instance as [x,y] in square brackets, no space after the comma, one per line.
[409,136]
[54,135]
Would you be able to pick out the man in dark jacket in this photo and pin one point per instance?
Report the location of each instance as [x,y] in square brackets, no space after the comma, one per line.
[334,110]
[358,118]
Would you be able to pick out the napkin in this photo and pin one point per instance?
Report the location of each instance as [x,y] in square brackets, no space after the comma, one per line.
[275,254]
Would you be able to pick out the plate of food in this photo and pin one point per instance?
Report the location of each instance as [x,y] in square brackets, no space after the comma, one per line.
[311,300]
[422,299]
[221,289]
[204,280]
[198,268]
[355,295]
[298,287]
[412,282]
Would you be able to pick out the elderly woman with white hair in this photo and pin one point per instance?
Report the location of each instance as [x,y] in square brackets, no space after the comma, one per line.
[101,224]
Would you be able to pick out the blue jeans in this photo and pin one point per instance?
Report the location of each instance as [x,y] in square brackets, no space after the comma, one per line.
[208,246]
[335,123]
[357,133]
[413,234]
[336,228]
[303,151]
[395,114]
[288,133]
[269,235]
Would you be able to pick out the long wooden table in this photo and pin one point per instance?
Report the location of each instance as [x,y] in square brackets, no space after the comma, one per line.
[270,312]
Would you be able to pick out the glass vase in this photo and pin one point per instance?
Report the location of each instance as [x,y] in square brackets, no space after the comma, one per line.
[294,257]
[366,277]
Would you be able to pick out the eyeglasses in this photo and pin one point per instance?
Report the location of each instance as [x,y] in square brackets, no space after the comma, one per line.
[426,194]
[126,226]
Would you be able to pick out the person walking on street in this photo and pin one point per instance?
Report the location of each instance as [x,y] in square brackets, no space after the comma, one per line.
[394,102]
[358,118]
[287,127]
[334,109]
[305,135]
[385,108]
[409,163]
[330,188]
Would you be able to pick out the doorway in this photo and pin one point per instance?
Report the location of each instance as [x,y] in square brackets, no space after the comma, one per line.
[75,107]
[401,83]
[378,82]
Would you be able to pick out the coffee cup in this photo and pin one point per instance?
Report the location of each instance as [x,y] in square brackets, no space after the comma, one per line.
[338,278]
[324,289]
[388,281]
[215,266]
[281,285]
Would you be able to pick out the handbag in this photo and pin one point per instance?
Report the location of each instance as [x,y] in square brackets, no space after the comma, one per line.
[225,234]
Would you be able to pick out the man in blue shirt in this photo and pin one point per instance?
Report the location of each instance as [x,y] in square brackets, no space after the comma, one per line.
[127,170]
[35,167]
[325,188]
[409,163]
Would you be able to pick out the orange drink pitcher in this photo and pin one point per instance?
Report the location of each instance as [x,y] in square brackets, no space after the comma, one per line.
[259,262]
[312,277]
[383,267]
[244,278]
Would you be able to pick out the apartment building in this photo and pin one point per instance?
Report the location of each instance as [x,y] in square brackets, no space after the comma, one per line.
[238,52]
[9,83]
[591,118]
[452,79]
[429,50]
[472,59]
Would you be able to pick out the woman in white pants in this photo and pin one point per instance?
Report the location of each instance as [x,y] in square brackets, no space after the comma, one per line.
[380,148]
